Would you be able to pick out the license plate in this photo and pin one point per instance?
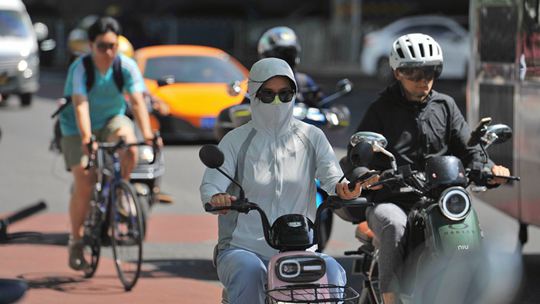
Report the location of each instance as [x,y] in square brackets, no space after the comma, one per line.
[208,122]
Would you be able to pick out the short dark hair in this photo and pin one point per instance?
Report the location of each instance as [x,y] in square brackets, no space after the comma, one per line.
[102,26]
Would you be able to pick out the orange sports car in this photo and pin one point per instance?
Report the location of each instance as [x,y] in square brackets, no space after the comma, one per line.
[193,83]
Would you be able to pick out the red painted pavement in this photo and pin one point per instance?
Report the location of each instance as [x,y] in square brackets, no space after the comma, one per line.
[45,266]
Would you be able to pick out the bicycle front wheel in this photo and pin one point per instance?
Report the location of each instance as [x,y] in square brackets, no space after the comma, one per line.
[126,220]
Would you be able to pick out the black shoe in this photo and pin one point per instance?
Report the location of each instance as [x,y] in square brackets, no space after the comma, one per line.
[76,255]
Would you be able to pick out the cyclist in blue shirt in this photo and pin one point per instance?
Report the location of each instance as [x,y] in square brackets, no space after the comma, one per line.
[98,109]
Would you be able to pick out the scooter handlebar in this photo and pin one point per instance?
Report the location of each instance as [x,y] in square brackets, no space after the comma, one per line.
[243,207]
[510,177]
[209,208]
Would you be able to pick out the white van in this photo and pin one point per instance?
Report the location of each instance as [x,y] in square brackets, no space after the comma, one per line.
[19,57]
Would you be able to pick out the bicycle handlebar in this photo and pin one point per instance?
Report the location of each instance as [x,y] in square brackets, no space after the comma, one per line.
[17,216]
[26,212]
[111,147]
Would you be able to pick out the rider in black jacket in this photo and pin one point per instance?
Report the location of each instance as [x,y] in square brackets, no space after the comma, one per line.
[418,123]
[417,131]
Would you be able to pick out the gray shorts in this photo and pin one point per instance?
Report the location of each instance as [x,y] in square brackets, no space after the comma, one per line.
[71,145]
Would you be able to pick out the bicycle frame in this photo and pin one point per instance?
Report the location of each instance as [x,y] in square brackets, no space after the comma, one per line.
[105,180]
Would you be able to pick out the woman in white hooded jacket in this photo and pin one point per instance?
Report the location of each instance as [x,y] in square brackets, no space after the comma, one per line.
[276,158]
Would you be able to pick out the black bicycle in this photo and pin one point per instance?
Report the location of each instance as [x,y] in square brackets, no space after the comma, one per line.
[115,215]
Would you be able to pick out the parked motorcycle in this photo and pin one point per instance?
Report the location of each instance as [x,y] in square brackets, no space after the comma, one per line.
[443,232]
[294,275]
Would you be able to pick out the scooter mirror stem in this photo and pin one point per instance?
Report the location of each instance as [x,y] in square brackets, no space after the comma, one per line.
[378,148]
[242,195]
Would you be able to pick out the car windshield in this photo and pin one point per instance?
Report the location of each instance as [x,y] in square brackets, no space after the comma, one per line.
[194,69]
[12,24]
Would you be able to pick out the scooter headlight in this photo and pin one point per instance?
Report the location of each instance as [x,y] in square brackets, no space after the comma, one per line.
[146,154]
[455,203]
[300,268]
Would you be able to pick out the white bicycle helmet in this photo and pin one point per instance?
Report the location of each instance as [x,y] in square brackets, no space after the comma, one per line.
[280,42]
[415,50]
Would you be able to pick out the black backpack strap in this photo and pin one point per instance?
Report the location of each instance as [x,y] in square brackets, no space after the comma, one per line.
[89,71]
[90,79]
[117,73]
[90,74]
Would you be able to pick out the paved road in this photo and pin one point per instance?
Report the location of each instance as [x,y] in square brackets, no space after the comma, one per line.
[177,258]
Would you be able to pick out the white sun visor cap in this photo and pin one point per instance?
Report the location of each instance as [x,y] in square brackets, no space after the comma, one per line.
[415,50]
[265,69]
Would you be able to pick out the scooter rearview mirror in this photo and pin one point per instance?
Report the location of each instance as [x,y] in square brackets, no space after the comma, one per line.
[344,85]
[211,156]
[498,133]
[371,138]
[361,154]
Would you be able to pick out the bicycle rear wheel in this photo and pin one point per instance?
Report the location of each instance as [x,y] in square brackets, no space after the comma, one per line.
[92,236]
[126,220]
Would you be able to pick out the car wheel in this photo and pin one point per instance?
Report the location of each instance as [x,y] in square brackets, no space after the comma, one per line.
[384,72]
[26,99]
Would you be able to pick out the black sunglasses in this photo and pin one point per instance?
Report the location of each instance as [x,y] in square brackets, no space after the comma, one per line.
[268,96]
[104,46]
[419,73]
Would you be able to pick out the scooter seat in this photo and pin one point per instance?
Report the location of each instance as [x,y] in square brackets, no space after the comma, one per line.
[363,233]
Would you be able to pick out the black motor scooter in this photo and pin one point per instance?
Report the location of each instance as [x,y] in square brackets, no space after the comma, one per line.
[442,234]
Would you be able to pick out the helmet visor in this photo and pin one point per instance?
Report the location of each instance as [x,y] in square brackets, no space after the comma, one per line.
[288,53]
[419,73]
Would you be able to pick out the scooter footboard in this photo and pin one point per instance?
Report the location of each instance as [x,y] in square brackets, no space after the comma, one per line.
[354,212]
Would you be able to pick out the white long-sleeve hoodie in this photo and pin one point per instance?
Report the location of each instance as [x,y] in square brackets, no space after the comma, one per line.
[276,159]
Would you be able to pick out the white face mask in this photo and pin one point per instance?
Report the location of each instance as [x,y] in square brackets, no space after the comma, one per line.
[273,115]
[276,116]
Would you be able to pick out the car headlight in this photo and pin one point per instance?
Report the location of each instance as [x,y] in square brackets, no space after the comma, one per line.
[146,154]
[22,65]
[455,203]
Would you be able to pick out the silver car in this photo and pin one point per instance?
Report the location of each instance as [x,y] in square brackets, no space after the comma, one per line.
[451,36]
[19,57]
